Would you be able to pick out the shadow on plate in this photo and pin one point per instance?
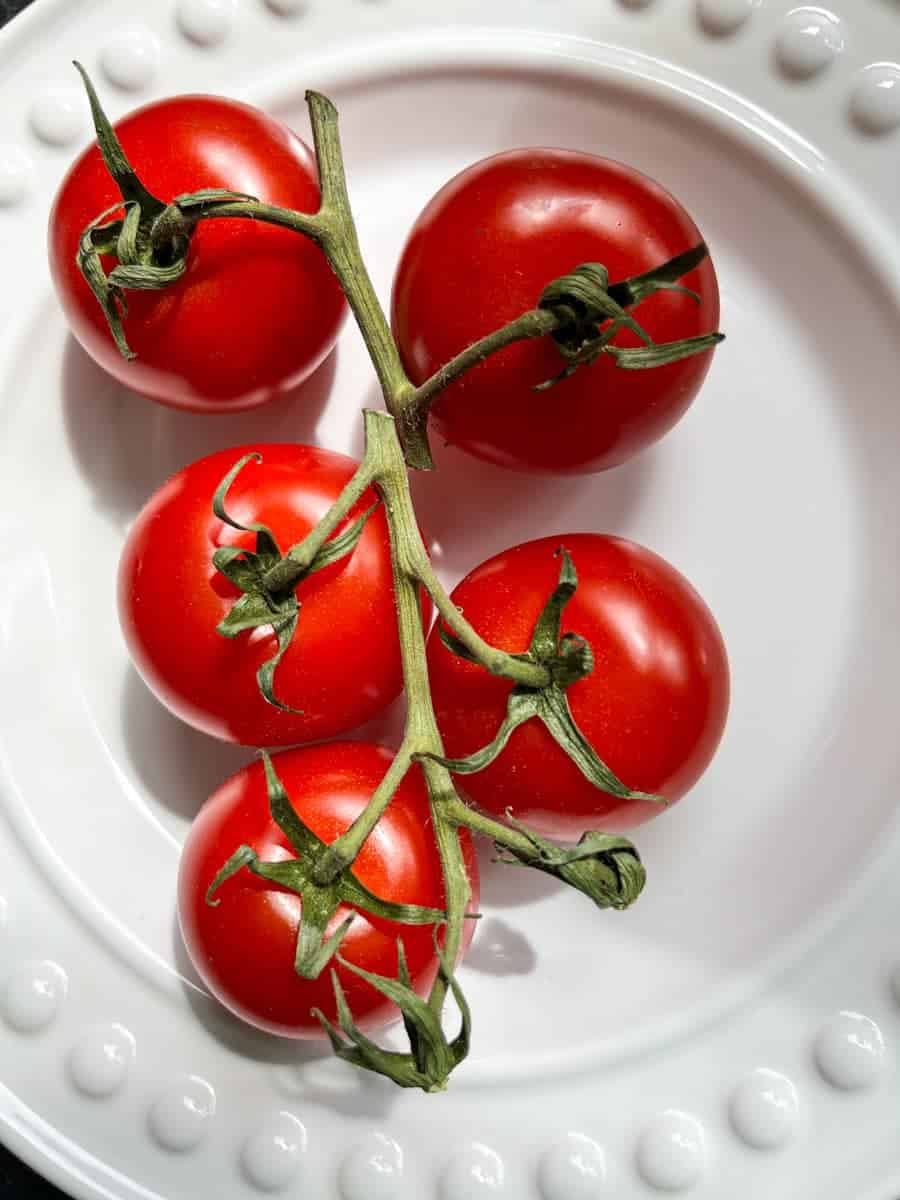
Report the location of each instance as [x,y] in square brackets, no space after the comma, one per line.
[179,766]
[499,949]
[126,446]
[302,1070]
[467,500]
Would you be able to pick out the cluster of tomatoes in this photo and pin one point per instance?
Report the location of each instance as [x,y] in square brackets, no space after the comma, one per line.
[254,314]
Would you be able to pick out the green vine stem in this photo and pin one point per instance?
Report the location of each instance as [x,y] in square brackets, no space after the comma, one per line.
[152,241]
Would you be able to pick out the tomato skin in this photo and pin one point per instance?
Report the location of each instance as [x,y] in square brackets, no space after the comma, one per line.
[258,308]
[243,949]
[654,707]
[493,237]
[343,665]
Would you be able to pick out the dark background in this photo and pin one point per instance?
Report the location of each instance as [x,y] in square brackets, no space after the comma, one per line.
[9,8]
[16,1181]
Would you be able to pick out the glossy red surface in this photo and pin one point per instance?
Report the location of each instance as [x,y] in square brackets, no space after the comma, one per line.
[343,665]
[654,707]
[244,947]
[258,308]
[481,253]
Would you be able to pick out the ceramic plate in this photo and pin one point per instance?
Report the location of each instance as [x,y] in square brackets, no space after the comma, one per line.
[736,1033]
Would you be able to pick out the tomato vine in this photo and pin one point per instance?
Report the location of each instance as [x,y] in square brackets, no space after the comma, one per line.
[582,312]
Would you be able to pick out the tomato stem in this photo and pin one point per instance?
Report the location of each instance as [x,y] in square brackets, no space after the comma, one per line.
[605,868]
[343,851]
[340,242]
[608,870]
[414,407]
[152,240]
[442,792]
[296,562]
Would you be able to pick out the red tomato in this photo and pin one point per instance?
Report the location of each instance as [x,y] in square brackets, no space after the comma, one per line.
[343,665]
[653,709]
[258,308]
[243,949]
[481,253]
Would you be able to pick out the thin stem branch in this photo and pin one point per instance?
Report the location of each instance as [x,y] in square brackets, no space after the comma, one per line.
[461,815]
[300,556]
[307,224]
[532,324]
[498,662]
[421,735]
[457,891]
[344,850]
[385,466]
[341,244]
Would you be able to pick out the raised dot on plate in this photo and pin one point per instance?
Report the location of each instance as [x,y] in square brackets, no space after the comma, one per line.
[808,41]
[288,8]
[574,1169]
[15,173]
[476,1170]
[271,1157]
[671,1152]
[98,1062]
[58,116]
[179,1119]
[636,3]
[764,1109]
[722,17]
[130,59]
[206,22]
[373,1170]
[850,1051]
[875,102]
[32,996]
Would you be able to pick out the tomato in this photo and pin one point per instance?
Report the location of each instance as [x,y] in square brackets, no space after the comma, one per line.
[481,253]
[343,664]
[653,708]
[258,308]
[243,949]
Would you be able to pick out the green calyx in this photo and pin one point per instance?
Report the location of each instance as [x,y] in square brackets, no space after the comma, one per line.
[249,570]
[592,312]
[567,658]
[320,903]
[431,1057]
[150,242]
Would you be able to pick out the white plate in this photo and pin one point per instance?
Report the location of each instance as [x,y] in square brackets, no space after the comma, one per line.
[752,998]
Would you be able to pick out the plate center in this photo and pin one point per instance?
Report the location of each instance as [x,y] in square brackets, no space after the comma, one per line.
[772,496]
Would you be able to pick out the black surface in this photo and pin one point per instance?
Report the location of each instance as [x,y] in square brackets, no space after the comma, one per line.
[17,1182]
[8,9]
